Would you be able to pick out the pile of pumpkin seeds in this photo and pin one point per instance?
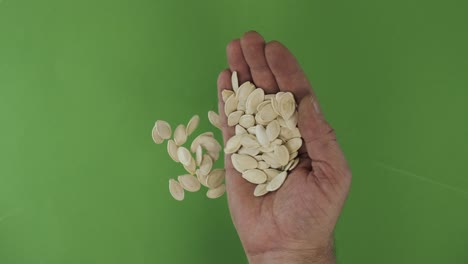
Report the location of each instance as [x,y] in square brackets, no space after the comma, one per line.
[264,148]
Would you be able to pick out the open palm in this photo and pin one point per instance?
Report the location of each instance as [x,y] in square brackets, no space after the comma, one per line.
[297,221]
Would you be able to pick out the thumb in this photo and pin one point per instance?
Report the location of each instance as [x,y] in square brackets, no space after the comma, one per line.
[320,140]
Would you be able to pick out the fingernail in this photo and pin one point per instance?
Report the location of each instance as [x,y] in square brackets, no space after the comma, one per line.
[316,106]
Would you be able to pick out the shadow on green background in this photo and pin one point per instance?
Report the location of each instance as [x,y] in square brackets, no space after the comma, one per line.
[82,82]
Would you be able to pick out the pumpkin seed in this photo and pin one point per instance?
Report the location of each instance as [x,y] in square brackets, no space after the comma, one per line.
[176,190]
[192,125]
[254,176]
[215,178]
[254,99]
[230,105]
[234,81]
[247,121]
[184,156]
[206,165]
[189,183]
[273,130]
[172,150]
[163,129]
[260,190]
[216,192]
[225,94]
[243,162]
[214,119]
[180,135]
[233,144]
[274,184]
[156,137]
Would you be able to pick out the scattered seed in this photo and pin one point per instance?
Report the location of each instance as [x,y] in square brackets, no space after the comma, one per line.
[214,119]
[215,178]
[189,183]
[163,129]
[206,165]
[172,150]
[180,135]
[216,192]
[184,156]
[176,190]
[192,125]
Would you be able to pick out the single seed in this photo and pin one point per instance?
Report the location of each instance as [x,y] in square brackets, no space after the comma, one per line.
[206,165]
[287,105]
[176,190]
[247,121]
[199,155]
[254,176]
[214,119]
[260,190]
[282,155]
[274,184]
[225,94]
[172,150]
[230,105]
[234,81]
[180,135]
[163,129]
[215,178]
[210,144]
[189,183]
[156,137]
[233,144]
[262,136]
[184,156]
[271,160]
[273,130]
[216,192]
[254,99]
[294,144]
[192,125]
[243,162]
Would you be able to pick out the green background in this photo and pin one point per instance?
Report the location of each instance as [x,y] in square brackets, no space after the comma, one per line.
[82,83]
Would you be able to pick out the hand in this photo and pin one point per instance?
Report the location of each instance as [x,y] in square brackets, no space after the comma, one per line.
[294,224]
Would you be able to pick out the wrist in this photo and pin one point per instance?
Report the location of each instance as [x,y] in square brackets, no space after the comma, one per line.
[319,255]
